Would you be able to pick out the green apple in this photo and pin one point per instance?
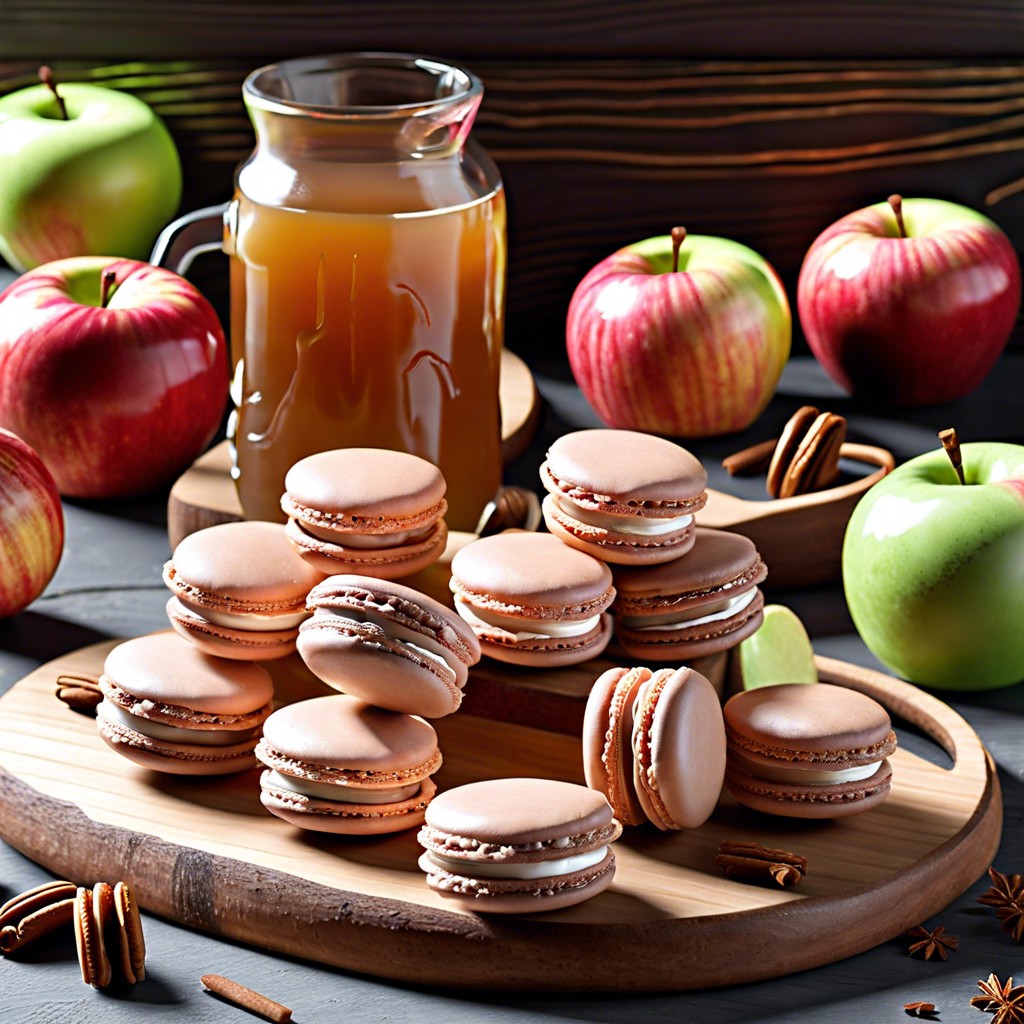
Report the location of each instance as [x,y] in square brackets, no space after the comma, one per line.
[934,569]
[103,181]
[779,652]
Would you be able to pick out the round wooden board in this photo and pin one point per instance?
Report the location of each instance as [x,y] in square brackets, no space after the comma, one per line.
[205,496]
[206,854]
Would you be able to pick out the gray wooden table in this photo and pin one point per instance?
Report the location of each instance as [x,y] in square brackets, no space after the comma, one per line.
[108,585]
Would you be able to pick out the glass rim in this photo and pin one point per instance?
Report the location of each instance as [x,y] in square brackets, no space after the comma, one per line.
[255,94]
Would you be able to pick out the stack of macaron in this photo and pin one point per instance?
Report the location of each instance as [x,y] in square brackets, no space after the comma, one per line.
[629,499]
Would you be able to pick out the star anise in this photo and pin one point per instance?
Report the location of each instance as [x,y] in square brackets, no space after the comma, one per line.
[1002,999]
[931,943]
[1007,896]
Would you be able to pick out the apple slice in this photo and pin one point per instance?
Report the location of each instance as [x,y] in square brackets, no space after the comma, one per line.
[779,652]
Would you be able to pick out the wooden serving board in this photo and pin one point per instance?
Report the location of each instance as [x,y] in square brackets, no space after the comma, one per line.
[205,853]
[204,494]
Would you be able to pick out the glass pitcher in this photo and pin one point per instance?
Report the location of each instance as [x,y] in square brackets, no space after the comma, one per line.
[367,243]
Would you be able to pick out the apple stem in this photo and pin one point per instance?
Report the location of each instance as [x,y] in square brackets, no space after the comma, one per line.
[678,237]
[46,77]
[951,446]
[107,282]
[896,202]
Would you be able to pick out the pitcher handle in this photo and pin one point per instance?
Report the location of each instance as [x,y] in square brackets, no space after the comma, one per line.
[190,236]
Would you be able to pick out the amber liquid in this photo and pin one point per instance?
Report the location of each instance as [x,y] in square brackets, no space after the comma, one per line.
[368,329]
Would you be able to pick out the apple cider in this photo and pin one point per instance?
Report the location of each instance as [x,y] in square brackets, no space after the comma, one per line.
[367,280]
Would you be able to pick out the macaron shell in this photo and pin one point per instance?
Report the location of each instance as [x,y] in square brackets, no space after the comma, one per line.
[309,738]
[165,669]
[721,564]
[360,659]
[605,468]
[507,896]
[365,490]
[533,575]
[818,720]
[347,819]
[679,749]
[240,567]
[616,546]
[401,604]
[823,801]
[329,558]
[177,758]
[515,811]
[224,642]
[607,741]
[551,652]
[694,641]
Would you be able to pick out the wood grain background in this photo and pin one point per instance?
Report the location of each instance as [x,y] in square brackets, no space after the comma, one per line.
[610,121]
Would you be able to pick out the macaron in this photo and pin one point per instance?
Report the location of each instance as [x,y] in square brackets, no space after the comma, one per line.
[622,496]
[654,745]
[338,764]
[806,457]
[532,600]
[388,644]
[369,511]
[170,707]
[700,604]
[808,751]
[518,846]
[239,590]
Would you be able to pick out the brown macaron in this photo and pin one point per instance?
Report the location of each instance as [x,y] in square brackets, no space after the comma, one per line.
[388,644]
[518,846]
[170,707]
[239,590]
[808,750]
[338,764]
[532,600]
[654,745]
[366,511]
[622,496]
[703,603]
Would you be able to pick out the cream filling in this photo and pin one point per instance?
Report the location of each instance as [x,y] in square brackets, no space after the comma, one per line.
[640,526]
[368,541]
[172,733]
[811,776]
[253,622]
[423,645]
[528,870]
[338,793]
[692,616]
[523,629]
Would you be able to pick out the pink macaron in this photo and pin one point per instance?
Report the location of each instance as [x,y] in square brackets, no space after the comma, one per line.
[170,707]
[623,496]
[388,644]
[239,590]
[654,744]
[532,600]
[518,846]
[366,511]
[338,764]
[808,750]
[703,603]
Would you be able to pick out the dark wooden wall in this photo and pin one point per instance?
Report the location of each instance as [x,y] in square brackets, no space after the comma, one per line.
[611,121]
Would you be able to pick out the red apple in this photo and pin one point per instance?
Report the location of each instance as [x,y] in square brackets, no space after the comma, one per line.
[117,388]
[680,335]
[910,302]
[31,525]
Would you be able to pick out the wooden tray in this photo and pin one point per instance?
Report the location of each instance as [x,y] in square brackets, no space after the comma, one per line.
[204,494]
[205,853]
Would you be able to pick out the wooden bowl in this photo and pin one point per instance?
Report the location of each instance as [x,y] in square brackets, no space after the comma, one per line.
[799,538]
